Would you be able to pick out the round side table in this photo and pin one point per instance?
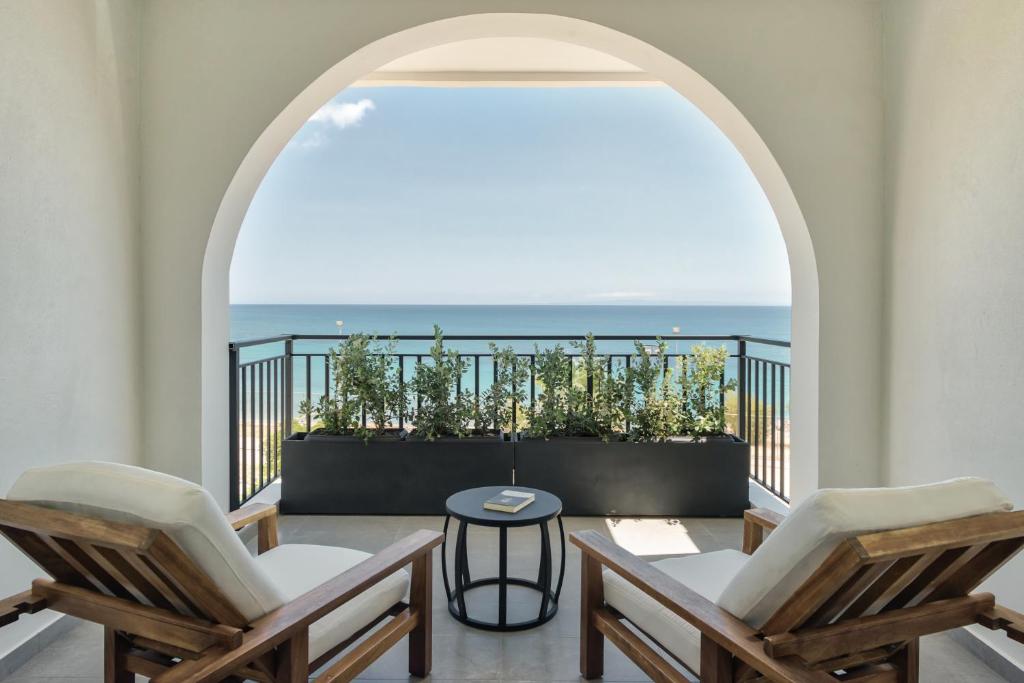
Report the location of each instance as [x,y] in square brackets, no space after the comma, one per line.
[468,507]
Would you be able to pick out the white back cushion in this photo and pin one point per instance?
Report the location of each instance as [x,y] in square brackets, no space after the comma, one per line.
[792,552]
[186,511]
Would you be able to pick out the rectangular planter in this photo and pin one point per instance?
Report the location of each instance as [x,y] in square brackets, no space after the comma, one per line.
[342,475]
[674,479]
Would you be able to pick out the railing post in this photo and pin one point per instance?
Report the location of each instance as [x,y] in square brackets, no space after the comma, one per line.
[233,493]
[289,388]
[741,388]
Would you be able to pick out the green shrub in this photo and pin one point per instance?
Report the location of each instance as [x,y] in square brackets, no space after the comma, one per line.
[648,401]
[443,410]
[507,391]
[701,409]
[549,412]
[364,378]
[652,403]
[598,396]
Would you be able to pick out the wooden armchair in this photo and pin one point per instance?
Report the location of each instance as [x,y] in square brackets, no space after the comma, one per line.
[153,559]
[842,590]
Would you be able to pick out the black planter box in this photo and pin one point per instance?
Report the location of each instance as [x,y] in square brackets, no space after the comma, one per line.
[674,479]
[342,475]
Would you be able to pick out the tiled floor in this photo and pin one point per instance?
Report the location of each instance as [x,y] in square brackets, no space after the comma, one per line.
[548,653]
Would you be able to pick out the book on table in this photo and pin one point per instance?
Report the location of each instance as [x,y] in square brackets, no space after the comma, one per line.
[509,501]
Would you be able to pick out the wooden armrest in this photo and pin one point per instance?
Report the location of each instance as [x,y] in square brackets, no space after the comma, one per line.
[710,619]
[280,625]
[23,603]
[262,514]
[756,523]
[1004,619]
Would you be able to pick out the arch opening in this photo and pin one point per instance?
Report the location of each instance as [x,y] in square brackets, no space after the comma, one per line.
[664,67]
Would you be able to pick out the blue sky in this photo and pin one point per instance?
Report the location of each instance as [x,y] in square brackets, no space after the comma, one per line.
[510,195]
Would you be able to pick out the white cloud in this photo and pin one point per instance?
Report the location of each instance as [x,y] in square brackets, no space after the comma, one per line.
[343,114]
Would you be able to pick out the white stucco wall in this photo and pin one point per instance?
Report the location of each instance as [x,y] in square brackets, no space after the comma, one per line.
[69,287]
[805,73]
[954,84]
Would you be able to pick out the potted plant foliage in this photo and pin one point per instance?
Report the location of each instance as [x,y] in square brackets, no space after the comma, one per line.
[644,438]
[354,466]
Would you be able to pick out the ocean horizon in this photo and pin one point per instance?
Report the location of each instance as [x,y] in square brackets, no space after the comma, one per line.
[250,321]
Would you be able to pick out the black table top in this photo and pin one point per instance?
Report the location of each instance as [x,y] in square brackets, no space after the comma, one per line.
[468,506]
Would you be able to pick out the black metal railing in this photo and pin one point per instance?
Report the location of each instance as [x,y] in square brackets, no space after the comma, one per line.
[269,377]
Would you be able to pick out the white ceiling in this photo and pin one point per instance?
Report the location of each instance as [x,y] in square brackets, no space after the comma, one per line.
[508,61]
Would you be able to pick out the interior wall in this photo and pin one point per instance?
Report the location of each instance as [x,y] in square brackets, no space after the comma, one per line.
[954,85]
[69,274]
[805,73]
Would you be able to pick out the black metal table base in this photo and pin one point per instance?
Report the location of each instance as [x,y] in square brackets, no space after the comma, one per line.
[463,583]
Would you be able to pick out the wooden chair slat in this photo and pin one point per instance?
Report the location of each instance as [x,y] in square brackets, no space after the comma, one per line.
[945,566]
[142,589]
[835,571]
[125,586]
[182,573]
[896,578]
[75,558]
[863,579]
[140,566]
[971,575]
[40,552]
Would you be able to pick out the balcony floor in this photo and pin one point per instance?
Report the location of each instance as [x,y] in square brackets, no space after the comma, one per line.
[548,653]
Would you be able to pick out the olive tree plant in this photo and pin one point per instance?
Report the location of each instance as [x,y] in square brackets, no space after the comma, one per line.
[652,403]
[507,393]
[549,411]
[442,409]
[364,380]
[702,386]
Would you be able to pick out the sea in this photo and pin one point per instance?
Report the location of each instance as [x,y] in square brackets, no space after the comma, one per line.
[249,321]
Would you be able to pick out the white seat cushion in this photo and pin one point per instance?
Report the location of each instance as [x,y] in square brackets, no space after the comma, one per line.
[186,511]
[295,569]
[816,527]
[706,574]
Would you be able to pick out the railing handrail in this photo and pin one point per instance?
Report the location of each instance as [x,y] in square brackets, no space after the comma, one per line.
[514,337]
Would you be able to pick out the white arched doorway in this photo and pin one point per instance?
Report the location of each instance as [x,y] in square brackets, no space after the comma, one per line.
[244,184]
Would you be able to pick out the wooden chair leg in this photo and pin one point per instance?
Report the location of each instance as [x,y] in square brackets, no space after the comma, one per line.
[716,663]
[266,534]
[114,650]
[420,646]
[293,659]
[908,661]
[591,640]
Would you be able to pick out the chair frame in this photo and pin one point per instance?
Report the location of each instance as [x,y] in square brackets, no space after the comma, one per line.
[858,617]
[164,618]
